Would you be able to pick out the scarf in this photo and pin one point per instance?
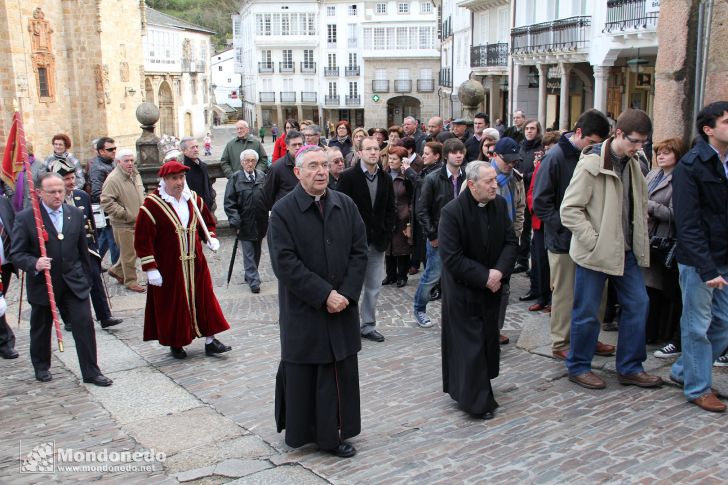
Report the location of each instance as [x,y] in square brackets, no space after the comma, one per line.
[655,182]
[531,144]
[504,188]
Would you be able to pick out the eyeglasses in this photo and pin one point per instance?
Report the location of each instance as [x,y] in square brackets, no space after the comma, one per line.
[338,160]
[635,142]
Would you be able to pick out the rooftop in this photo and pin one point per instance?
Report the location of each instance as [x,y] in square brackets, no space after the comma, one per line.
[155,17]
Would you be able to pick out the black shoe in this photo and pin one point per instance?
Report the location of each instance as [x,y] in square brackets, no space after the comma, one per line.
[520,268]
[43,375]
[99,380]
[344,450]
[216,347]
[528,297]
[110,322]
[374,336]
[178,352]
[67,327]
[255,289]
[435,294]
[8,353]
[401,282]
[389,280]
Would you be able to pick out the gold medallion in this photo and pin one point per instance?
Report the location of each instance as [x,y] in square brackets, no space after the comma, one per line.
[60,236]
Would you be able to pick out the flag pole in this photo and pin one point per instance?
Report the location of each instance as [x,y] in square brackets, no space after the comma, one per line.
[42,234]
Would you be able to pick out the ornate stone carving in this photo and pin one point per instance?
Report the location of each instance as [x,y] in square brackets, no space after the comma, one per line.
[142,86]
[103,94]
[40,32]
[44,62]
[124,71]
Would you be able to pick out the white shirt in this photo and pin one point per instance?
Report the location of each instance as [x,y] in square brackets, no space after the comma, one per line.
[180,206]
[724,162]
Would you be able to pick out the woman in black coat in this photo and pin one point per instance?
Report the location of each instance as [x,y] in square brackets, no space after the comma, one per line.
[397,255]
[342,140]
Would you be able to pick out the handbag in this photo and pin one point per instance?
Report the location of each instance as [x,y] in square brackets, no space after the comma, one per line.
[663,248]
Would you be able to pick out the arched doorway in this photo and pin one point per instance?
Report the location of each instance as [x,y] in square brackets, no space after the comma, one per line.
[166,110]
[148,91]
[188,124]
[399,107]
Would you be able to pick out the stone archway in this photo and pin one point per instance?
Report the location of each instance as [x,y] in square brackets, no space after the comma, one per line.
[166,110]
[399,107]
[148,91]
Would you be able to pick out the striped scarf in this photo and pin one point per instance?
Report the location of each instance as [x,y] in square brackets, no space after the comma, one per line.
[504,189]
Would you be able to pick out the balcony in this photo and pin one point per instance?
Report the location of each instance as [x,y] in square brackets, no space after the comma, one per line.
[352,71]
[308,67]
[629,15]
[425,85]
[380,86]
[402,85]
[267,96]
[191,65]
[332,100]
[562,35]
[353,100]
[286,67]
[266,67]
[445,77]
[308,96]
[489,55]
[331,71]
[288,96]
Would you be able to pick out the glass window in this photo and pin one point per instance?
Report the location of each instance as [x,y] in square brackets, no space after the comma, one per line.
[352,10]
[425,7]
[331,31]
[352,59]
[308,58]
[354,88]
[332,61]
[380,74]
[425,73]
[381,8]
[285,24]
[288,57]
[331,11]
[378,38]
[332,88]
[403,8]
[43,88]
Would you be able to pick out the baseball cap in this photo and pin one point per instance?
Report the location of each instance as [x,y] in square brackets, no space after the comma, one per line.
[508,149]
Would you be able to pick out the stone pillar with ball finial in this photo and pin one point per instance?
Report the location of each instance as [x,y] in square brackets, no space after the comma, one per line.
[471,94]
[149,158]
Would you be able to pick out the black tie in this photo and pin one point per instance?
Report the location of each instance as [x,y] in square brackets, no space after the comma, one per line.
[6,238]
[251,177]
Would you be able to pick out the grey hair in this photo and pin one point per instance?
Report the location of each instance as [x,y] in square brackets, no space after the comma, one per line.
[409,118]
[491,133]
[183,142]
[249,151]
[331,151]
[303,151]
[124,152]
[472,170]
[315,128]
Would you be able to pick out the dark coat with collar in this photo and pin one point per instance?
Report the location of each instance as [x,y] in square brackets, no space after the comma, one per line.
[245,207]
[279,181]
[379,219]
[7,215]
[82,201]
[436,192]
[70,269]
[198,180]
[311,256]
[700,202]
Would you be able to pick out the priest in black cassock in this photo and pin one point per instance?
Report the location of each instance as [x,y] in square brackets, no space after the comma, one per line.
[478,250]
[318,250]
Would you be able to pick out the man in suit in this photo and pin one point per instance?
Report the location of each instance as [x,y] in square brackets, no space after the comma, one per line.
[7,219]
[198,178]
[372,191]
[81,200]
[68,263]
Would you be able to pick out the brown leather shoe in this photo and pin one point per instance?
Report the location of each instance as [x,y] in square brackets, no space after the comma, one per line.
[560,354]
[136,288]
[710,403]
[536,307]
[589,380]
[641,379]
[605,350]
[503,339]
[116,277]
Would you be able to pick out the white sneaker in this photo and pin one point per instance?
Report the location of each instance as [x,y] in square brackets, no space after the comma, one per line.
[721,361]
[669,350]
[423,320]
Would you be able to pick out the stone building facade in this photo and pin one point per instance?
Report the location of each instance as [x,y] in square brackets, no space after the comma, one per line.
[67,67]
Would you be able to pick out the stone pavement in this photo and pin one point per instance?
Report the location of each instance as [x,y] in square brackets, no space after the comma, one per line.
[212,417]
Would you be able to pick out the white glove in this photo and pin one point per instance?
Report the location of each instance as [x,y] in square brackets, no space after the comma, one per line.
[154,277]
[213,244]
[3,306]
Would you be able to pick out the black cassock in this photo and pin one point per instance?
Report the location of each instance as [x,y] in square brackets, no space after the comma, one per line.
[472,240]
[317,386]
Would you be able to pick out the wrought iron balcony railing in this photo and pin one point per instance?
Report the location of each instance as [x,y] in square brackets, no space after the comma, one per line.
[267,96]
[380,86]
[308,67]
[308,96]
[626,15]
[570,34]
[286,67]
[287,96]
[352,71]
[332,100]
[353,100]
[331,71]
[425,85]
[489,55]
[266,67]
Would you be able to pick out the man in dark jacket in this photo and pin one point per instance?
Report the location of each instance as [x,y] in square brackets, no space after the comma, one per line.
[372,191]
[478,250]
[68,263]
[700,199]
[100,168]
[557,168]
[516,130]
[248,214]
[7,220]
[411,127]
[318,250]
[440,187]
[336,166]
[281,179]
[472,144]
[197,177]
[230,158]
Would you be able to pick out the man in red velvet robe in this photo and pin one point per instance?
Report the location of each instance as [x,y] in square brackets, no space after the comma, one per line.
[181,304]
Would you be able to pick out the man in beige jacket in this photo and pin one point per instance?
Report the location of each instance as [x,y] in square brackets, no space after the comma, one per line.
[605,208]
[121,197]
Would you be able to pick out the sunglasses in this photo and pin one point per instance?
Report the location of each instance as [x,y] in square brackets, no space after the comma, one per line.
[112,149]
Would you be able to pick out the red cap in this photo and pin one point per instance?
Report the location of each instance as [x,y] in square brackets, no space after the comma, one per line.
[171,168]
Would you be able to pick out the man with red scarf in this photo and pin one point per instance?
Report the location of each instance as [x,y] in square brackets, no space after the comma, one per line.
[181,304]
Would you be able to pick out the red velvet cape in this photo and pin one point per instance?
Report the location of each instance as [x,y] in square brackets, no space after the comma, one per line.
[185,306]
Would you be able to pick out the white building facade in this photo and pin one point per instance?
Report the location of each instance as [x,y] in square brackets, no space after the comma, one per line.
[224,81]
[177,74]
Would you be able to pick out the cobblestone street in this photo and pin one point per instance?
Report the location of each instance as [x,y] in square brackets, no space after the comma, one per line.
[213,417]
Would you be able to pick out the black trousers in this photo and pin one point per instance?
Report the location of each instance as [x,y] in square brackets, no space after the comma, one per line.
[7,337]
[99,299]
[540,271]
[74,311]
[397,266]
[524,248]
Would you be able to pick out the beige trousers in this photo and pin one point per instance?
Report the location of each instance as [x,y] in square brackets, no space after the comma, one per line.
[126,265]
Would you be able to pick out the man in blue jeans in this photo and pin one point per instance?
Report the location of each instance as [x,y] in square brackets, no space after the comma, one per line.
[700,201]
[605,208]
[439,188]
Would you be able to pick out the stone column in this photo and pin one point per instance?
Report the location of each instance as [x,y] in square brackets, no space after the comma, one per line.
[601,78]
[299,108]
[494,98]
[564,101]
[542,78]
[281,121]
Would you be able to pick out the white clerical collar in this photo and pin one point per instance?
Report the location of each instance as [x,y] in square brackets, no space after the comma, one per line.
[186,193]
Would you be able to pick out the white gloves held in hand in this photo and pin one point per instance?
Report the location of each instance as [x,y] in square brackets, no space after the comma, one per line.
[213,244]
[154,277]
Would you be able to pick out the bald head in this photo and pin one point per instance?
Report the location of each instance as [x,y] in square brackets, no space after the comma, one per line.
[242,128]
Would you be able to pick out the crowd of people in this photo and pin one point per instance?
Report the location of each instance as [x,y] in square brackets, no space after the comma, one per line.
[607,242]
